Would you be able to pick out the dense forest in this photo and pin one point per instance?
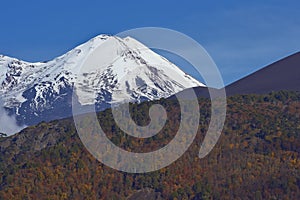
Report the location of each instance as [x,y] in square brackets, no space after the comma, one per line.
[256,157]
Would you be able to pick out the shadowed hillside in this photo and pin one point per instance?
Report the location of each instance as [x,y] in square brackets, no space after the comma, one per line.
[281,75]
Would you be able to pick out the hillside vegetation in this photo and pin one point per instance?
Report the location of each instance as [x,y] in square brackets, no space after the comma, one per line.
[256,157]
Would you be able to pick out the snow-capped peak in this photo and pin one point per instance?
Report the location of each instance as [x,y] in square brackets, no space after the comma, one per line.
[121,66]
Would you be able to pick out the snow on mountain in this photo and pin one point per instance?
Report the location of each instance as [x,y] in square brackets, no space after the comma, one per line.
[36,92]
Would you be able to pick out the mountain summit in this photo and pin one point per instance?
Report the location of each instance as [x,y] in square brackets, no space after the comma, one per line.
[42,91]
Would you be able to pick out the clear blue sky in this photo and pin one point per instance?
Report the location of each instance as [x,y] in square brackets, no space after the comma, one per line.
[241,36]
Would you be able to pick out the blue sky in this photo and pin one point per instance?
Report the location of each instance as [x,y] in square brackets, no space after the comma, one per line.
[241,36]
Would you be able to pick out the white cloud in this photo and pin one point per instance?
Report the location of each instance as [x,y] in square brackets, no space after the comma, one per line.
[8,124]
